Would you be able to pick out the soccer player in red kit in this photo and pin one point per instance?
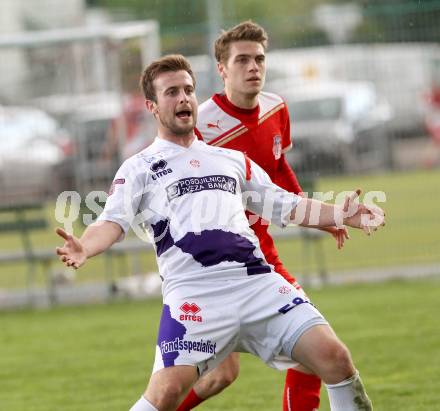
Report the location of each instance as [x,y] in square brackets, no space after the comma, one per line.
[257,123]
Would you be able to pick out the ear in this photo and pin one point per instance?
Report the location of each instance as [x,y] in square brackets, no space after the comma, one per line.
[222,70]
[151,106]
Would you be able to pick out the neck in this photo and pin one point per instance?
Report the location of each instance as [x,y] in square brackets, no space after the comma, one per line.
[184,140]
[246,101]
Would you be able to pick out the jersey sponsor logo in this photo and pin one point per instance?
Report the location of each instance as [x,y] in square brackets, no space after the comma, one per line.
[214,125]
[295,303]
[178,344]
[159,168]
[190,310]
[196,184]
[112,187]
[277,149]
[195,163]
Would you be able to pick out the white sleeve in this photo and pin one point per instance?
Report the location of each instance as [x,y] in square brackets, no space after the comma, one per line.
[125,195]
[265,198]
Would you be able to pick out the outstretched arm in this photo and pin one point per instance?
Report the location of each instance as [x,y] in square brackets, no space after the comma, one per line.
[97,238]
[313,213]
[263,197]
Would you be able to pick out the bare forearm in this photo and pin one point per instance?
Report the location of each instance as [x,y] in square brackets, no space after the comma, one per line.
[314,213]
[100,236]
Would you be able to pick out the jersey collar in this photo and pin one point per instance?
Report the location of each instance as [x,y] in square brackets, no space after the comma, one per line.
[245,115]
[161,143]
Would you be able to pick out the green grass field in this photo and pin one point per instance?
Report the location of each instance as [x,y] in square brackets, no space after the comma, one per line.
[409,238]
[100,357]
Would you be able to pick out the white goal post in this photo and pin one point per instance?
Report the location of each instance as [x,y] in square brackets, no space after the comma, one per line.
[83,77]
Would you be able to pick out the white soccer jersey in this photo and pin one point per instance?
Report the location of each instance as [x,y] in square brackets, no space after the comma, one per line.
[190,201]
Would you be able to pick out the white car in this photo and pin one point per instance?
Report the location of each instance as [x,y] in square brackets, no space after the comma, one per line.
[336,126]
[31,145]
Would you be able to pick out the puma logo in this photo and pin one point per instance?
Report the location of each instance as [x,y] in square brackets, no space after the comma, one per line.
[216,125]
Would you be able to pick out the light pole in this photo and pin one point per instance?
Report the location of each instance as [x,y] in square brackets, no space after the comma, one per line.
[215,16]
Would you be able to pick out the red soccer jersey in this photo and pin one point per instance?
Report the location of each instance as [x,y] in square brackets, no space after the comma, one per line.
[263,134]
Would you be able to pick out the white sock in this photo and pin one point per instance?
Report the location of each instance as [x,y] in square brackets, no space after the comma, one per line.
[143,405]
[349,395]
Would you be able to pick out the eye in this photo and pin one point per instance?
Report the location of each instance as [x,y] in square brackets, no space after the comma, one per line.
[260,59]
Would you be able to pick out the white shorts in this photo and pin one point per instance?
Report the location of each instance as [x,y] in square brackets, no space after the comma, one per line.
[203,322]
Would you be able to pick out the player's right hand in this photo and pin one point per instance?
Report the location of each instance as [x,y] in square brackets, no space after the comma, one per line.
[72,253]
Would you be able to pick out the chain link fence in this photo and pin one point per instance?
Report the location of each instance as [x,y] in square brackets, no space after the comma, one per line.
[77,91]
[382,56]
[362,82]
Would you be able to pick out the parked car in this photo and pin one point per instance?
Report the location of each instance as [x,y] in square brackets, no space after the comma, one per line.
[31,145]
[336,126]
[106,128]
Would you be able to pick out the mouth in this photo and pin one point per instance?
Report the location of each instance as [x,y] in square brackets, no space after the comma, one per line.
[184,114]
[254,79]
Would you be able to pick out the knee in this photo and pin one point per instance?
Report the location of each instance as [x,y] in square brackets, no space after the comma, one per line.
[340,364]
[222,379]
[217,380]
[228,376]
[230,373]
[169,396]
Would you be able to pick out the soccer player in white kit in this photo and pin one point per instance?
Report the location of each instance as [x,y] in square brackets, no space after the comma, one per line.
[190,197]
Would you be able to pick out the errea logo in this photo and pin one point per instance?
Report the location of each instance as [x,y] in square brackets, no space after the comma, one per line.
[190,310]
[159,169]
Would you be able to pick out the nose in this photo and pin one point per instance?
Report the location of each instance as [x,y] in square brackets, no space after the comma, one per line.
[253,66]
[183,96]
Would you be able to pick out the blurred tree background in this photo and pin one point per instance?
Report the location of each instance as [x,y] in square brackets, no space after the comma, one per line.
[291,23]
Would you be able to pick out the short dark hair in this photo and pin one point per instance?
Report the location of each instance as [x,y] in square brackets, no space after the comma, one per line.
[245,31]
[171,62]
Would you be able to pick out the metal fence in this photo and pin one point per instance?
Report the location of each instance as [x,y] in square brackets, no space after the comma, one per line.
[362,84]
[393,46]
[83,82]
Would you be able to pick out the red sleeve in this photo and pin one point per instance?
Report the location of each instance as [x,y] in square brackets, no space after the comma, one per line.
[248,167]
[287,138]
[198,134]
[286,177]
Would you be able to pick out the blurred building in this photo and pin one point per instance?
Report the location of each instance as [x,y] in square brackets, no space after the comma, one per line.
[22,15]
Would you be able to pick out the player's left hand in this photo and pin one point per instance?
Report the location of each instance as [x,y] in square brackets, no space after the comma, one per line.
[357,215]
[339,234]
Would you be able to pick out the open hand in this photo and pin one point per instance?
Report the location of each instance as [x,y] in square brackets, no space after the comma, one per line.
[340,234]
[72,253]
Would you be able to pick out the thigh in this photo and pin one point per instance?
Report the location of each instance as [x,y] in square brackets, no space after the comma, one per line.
[275,316]
[322,351]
